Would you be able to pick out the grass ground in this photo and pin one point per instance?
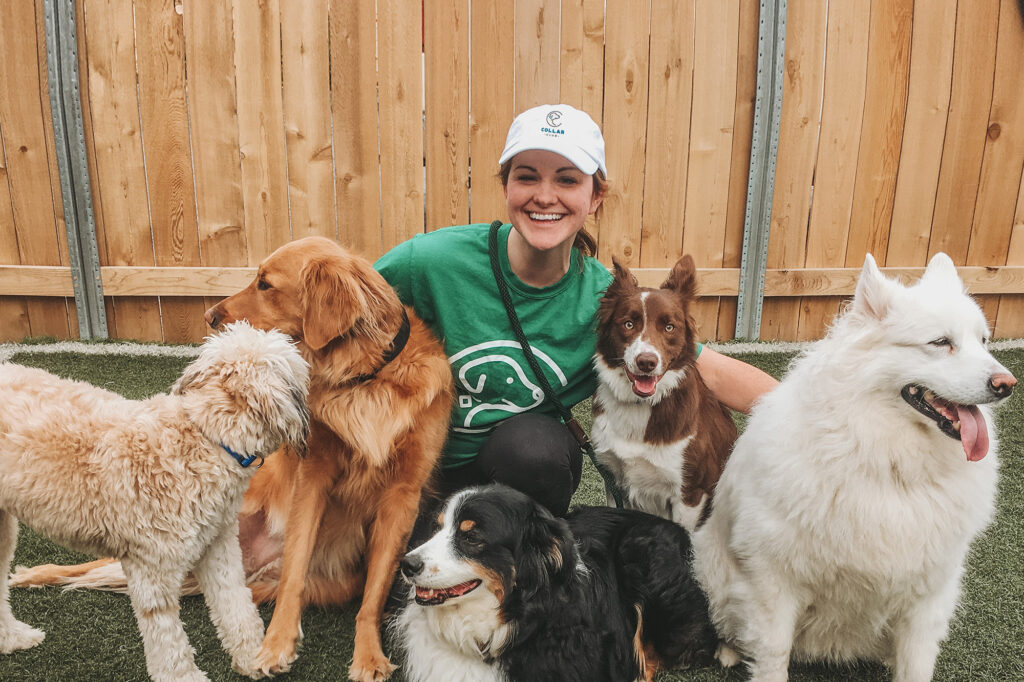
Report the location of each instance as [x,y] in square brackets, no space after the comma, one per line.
[93,636]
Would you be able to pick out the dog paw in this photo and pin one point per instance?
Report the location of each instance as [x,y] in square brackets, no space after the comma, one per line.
[726,655]
[270,660]
[371,669]
[17,636]
[248,667]
[250,670]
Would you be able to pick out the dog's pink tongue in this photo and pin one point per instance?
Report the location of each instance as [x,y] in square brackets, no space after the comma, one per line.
[973,432]
[644,386]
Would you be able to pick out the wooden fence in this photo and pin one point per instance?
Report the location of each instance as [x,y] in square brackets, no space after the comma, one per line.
[215,131]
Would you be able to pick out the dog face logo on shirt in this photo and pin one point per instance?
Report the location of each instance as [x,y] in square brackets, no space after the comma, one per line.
[493,381]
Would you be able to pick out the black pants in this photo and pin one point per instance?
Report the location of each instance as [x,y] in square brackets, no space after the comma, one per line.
[532,453]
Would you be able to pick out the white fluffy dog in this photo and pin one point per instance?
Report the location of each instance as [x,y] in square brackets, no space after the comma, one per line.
[842,521]
[156,483]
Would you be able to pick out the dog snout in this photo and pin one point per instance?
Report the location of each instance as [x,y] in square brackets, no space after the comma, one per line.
[646,362]
[213,317]
[1002,384]
[411,566]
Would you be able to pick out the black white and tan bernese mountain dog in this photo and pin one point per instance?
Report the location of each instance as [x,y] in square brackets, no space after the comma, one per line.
[503,590]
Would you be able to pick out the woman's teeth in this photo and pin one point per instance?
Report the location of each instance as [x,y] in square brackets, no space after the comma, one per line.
[544,216]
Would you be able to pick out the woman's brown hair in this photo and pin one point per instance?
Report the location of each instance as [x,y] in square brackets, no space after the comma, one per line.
[584,241]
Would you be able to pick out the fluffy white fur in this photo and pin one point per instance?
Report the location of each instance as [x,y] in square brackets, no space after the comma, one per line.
[842,521]
[149,482]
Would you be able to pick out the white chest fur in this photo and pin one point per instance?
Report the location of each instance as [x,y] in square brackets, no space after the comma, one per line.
[651,476]
[454,642]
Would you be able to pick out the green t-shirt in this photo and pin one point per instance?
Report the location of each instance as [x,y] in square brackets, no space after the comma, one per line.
[446,277]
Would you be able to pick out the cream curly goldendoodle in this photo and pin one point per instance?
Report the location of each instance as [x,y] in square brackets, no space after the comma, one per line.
[156,483]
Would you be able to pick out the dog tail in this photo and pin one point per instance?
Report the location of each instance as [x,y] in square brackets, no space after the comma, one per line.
[102,574]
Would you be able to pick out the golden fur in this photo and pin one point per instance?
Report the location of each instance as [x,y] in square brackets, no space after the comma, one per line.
[325,528]
[151,483]
[347,509]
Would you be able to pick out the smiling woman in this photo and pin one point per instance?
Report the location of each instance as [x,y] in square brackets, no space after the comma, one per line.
[553,174]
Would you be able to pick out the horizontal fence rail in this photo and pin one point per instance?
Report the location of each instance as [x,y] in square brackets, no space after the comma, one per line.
[714,282]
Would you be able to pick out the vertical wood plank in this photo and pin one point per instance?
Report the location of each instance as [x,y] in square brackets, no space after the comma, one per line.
[14,325]
[964,145]
[668,126]
[625,127]
[716,32]
[491,104]
[210,78]
[354,112]
[1010,316]
[806,25]
[172,200]
[931,74]
[117,144]
[846,60]
[593,59]
[305,65]
[881,131]
[401,121]
[570,65]
[1003,158]
[446,48]
[739,168]
[537,35]
[30,202]
[261,136]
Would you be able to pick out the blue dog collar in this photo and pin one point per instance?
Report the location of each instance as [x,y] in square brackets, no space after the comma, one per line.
[244,461]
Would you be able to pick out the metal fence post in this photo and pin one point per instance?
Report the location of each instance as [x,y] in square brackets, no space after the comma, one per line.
[73,166]
[771,51]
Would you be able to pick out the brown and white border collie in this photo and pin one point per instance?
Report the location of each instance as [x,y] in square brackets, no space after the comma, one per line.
[657,427]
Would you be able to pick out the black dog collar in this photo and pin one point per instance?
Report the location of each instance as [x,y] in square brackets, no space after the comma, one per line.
[393,351]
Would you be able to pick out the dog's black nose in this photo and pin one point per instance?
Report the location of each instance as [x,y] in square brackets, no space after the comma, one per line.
[646,362]
[411,566]
[1002,384]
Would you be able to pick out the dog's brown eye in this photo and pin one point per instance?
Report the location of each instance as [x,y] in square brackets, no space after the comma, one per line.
[628,324]
[941,342]
[262,284]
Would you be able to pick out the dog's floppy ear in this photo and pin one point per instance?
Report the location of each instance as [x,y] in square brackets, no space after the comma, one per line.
[330,302]
[942,271]
[547,553]
[683,278]
[874,291]
[339,295]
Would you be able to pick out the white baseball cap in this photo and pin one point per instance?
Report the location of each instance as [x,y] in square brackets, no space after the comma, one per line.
[558,128]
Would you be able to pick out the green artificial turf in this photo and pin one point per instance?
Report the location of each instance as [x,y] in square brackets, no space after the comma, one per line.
[93,636]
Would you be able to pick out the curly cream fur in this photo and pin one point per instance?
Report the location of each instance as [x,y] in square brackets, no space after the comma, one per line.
[149,483]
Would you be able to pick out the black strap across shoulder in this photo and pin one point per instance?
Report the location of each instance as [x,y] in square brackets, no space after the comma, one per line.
[570,422]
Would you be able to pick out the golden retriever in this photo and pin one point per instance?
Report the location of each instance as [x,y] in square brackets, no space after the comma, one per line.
[156,483]
[324,528]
